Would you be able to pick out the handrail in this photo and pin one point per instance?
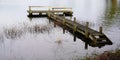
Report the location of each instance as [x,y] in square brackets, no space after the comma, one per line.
[40,6]
[50,7]
[61,8]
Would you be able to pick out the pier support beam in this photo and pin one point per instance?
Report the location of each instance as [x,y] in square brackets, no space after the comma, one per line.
[64,29]
[74,19]
[86,45]
[40,14]
[30,11]
[100,29]
[64,20]
[75,28]
[74,37]
[86,30]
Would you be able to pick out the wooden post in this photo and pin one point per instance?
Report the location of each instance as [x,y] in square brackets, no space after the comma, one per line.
[100,29]
[53,10]
[40,14]
[48,13]
[63,29]
[95,42]
[29,8]
[86,30]
[74,37]
[64,20]
[64,15]
[74,19]
[75,27]
[86,45]
[30,11]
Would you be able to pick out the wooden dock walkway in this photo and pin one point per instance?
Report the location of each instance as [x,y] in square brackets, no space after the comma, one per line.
[42,13]
[54,13]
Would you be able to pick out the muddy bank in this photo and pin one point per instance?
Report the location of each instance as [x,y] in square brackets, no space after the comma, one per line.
[106,55]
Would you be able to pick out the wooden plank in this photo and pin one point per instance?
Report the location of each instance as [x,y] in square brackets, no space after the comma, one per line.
[51,7]
[45,11]
[80,27]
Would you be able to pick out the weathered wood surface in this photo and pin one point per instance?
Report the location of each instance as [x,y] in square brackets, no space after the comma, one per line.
[45,11]
[64,10]
[101,37]
[71,23]
[97,37]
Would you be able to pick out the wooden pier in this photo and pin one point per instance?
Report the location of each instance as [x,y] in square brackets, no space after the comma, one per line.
[43,13]
[58,15]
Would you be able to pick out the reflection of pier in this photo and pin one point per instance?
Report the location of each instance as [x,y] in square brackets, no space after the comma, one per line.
[88,35]
[111,12]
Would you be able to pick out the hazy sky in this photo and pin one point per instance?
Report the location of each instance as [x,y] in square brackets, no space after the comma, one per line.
[35,2]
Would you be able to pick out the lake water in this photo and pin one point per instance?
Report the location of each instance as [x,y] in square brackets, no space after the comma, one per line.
[20,41]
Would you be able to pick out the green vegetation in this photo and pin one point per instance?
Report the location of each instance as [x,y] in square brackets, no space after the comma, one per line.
[107,55]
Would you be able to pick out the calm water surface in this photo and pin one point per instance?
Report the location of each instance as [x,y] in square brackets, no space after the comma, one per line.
[20,41]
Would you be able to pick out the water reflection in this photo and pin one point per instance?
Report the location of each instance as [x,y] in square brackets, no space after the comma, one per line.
[112,13]
[15,32]
[1,38]
[112,9]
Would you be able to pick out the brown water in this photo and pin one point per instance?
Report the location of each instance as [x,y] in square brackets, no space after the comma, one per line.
[20,40]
